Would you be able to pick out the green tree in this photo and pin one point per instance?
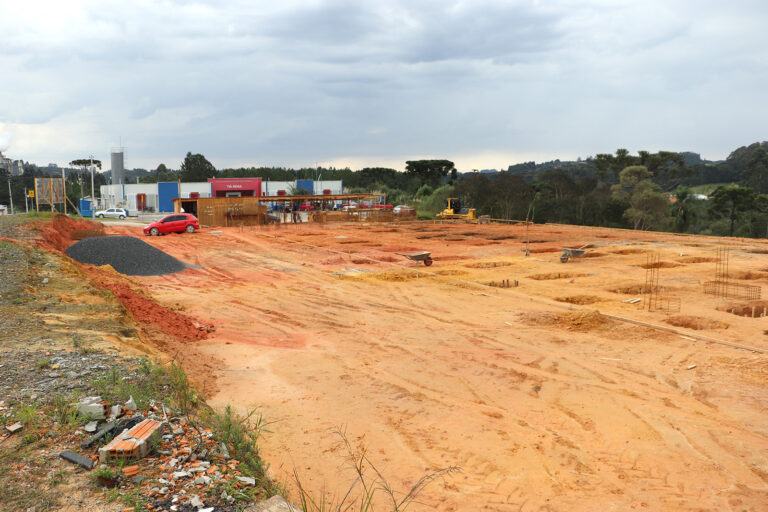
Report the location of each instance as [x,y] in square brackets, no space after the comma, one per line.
[681,210]
[730,201]
[435,202]
[84,164]
[647,205]
[757,170]
[196,168]
[429,172]
[660,164]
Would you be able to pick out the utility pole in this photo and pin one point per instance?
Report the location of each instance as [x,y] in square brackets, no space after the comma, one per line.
[10,195]
[93,193]
[26,203]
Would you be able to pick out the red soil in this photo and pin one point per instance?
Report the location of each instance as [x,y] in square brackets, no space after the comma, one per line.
[146,310]
[63,231]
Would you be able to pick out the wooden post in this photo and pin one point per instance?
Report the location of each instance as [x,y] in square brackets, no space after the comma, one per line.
[37,198]
[64,191]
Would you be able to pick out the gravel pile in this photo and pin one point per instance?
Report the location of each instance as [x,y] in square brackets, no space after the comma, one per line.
[126,254]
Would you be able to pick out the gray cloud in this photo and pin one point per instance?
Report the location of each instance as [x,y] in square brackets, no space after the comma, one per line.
[312,81]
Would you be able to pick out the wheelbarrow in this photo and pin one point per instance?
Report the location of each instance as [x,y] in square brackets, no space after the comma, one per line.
[570,252]
[424,256]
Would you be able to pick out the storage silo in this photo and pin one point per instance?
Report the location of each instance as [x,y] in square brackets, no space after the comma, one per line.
[118,169]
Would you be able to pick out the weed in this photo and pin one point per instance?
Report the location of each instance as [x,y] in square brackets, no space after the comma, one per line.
[131,498]
[370,486]
[57,478]
[106,472]
[43,364]
[241,435]
[64,411]
[26,414]
[77,341]
[30,438]
[152,380]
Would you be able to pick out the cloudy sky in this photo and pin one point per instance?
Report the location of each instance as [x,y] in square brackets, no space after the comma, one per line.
[361,83]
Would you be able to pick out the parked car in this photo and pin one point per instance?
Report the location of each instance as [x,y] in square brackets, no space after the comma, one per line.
[403,209]
[175,223]
[113,213]
[347,207]
[306,207]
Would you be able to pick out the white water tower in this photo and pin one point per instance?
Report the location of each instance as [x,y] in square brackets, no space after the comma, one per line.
[118,169]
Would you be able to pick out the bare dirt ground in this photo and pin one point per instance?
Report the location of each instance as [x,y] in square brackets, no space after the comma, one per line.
[542,402]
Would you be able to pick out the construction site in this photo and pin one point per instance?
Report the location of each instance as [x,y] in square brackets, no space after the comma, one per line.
[557,367]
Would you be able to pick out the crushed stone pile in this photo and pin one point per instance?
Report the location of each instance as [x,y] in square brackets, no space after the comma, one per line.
[126,254]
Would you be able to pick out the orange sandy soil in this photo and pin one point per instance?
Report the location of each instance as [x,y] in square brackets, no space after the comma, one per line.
[544,405]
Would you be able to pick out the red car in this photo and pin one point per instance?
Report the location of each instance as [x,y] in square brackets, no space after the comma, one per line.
[306,207]
[175,223]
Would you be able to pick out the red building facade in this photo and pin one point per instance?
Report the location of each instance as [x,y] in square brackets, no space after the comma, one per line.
[235,187]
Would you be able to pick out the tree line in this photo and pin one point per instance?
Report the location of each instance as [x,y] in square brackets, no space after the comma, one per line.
[643,191]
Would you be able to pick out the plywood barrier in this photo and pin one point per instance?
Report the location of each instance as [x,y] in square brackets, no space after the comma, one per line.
[227,211]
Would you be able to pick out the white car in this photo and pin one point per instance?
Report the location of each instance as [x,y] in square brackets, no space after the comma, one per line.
[403,209]
[114,213]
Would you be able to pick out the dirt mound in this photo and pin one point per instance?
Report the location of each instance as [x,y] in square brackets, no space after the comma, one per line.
[62,231]
[554,275]
[144,309]
[125,254]
[753,309]
[489,264]
[631,289]
[450,272]
[697,259]
[580,299]
[696,322]
[396,276]
[629,250]
[661,264]
[747,275]
[582,320]
[574,320]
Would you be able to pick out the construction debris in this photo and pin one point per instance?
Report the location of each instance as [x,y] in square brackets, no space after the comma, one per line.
[92,407]
[133,443]
[106,429]
[14,428]
[130,405]
[77,459]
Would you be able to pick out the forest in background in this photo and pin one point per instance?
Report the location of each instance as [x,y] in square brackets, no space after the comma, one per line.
[664,191]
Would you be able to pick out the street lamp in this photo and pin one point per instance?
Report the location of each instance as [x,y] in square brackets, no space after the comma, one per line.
[93,193]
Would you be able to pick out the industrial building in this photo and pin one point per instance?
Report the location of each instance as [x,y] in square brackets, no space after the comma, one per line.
[158,197]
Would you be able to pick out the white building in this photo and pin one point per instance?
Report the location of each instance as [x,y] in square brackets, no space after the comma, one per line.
[158,197]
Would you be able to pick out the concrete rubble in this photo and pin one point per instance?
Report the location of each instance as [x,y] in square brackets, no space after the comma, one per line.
[92,407]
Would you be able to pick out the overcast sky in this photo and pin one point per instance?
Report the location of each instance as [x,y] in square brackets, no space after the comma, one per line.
[358,83]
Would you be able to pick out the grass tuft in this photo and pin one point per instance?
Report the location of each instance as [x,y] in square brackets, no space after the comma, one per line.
[369,491]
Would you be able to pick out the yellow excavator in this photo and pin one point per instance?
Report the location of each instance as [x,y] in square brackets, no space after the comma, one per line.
[454,210]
